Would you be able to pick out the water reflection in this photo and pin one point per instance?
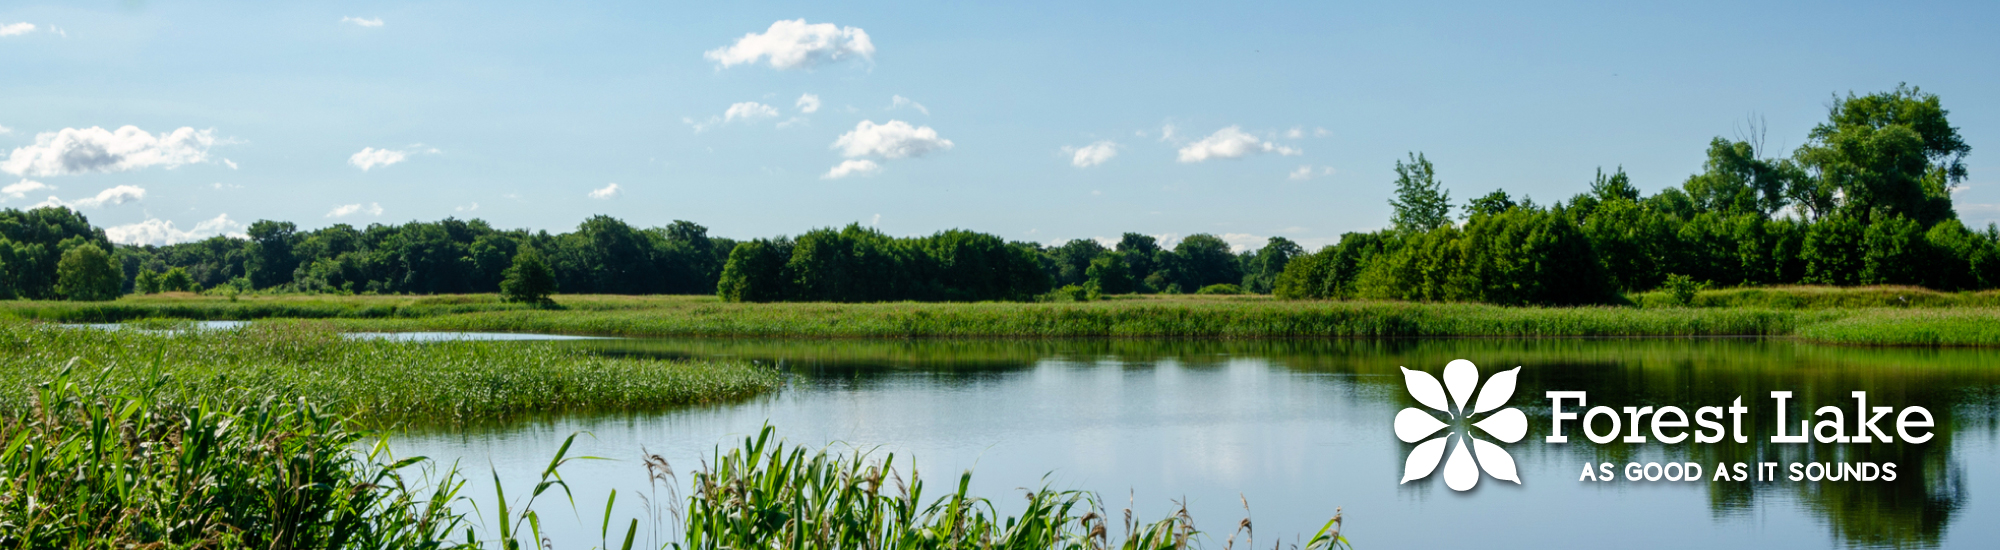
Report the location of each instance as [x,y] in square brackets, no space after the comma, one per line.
[1301,426]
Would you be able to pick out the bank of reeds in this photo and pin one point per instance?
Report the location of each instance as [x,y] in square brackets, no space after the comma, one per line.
[91,466]
[413,383]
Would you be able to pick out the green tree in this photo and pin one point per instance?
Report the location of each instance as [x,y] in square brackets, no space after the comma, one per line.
[1204,260]
[176,280]
[1109,275]
[86,273]
[1493,203]
[1139,252]
[1832,251]
[271,261]
[755,272]
[148,282]
[529,280]
[1893,252]
[1613,187]
[1893,152]
[1734,181]
[1421,202]
[1262,268]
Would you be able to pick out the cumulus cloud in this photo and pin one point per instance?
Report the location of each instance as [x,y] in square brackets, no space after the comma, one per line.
[607,192]
[22,189]
[16,29]
[1244,242]
[94,149]
[894,140]
[370,157]
[808,104]
[748,110]
[114,196]
[900,101]
[345,210]
[1307,172]
[852,168]
[160,232]
[795,44]
[376,22]
[1230,143]
[1093,154]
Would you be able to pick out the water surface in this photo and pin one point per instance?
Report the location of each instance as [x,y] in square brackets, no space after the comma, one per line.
[1300,428]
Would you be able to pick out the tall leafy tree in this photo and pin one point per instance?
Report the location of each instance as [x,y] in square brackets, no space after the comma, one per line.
[271,261]
[1888,153]
[1421,202]
[87,273]
[530,280]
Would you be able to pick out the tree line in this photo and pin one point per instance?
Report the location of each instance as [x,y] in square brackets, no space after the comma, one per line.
[1866,200]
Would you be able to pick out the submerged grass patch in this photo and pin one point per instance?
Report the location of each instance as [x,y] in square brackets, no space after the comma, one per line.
[418,383]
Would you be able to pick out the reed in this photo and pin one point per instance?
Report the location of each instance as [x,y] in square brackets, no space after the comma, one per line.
[378,382]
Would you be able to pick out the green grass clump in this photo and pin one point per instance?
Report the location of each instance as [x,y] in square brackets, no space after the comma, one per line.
[1916,327]
[765,495]
[90,467]
[1822,297]
[418,383]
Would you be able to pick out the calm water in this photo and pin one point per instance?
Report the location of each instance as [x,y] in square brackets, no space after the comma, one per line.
[1299,428]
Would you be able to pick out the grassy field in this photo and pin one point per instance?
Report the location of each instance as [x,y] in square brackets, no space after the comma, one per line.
[455,382]
[1867,316]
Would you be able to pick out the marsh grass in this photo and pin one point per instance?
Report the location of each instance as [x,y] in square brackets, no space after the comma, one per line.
[414,384]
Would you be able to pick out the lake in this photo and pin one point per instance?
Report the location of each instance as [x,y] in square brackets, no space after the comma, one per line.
[1298,428]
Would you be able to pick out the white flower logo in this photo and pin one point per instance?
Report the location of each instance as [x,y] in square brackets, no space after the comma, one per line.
[1413,424]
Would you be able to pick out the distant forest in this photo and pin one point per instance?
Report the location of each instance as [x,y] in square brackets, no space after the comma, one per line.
[1866,200]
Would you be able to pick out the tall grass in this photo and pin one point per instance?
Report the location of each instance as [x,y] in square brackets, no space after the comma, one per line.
[416,383]
[90,466]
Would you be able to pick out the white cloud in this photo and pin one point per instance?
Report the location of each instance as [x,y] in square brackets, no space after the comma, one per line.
[900,101]
[22,189]
[6,130]
[875,222]
[1166,132]
[794,121]
[894,140]
[159,232]
[94,149]
[1093,154]
[1230,143]
[218,186]
[376,22]
[345,210]
[473,208]
[808,104]
[114,196]
[795,44]
[16,29]
[1295,133]
[607,192]
[1242,242]
[370,157]
[230,163]
[748,110]
[1307,172]
[1321,132]
[852,168]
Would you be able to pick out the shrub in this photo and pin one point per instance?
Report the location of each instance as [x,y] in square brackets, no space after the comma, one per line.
[1682,289]
[87,274]
[1224,288]
[529,280]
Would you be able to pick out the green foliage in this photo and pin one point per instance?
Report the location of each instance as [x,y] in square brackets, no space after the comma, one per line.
[88,274]
[1682,289]
[177,280]
[1893,252]
[1493,203]
[1221,289]
[148,282]
[1734,181]
[1262,268]
[1892,153]
[95,467]
[1110,275]
[270,261]
[1421,202]
[1832,251]
[1202,259]
[529,280]
[858,264]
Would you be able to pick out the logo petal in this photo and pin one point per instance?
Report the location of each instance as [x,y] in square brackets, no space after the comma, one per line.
[1499,388]
[1413,424]
[1425,388]
[1423,459]
[1460,474]
[1461,376]
[1494,460]
[1508,425]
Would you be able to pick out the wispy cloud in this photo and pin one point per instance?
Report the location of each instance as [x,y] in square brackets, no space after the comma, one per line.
[808,104]
[370,157]
[23,188]
[852,168]
[155,231]
[1307,172]
[607,192]
[16,29]
[1091,155]
[900,101]
[1231,143]
[345,210]
[94,149]
[363,22]
[796,44]
[117,195]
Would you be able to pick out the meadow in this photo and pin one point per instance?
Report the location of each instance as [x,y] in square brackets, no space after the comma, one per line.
[1859,315]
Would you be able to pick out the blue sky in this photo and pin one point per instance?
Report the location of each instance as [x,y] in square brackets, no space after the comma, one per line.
[1285,118]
